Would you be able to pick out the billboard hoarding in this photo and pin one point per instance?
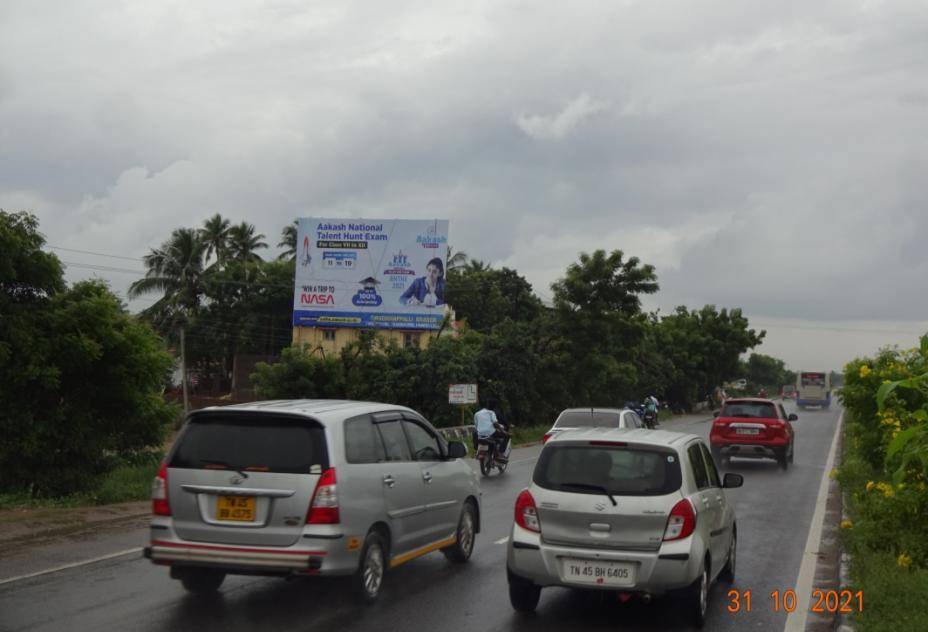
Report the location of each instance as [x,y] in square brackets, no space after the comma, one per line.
[462,393]
[380,274]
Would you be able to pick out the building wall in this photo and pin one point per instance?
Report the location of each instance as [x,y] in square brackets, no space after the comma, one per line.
[314,337]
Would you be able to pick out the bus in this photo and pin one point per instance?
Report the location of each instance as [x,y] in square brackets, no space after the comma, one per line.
[813,388]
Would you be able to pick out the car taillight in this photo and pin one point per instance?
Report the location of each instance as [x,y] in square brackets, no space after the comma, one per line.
[527,513]
[547,436]
[324,507]
[682,521]
[160,503]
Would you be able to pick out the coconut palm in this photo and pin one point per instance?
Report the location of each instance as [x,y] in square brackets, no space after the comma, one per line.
[288,242]
[243,242]
[176,269]
[215,237]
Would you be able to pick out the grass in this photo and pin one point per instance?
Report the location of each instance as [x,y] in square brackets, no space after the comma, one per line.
[123,484]
[528,434]
[894,597]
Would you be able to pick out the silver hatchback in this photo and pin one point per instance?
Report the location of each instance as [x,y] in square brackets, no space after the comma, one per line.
[310,488]
[635,511]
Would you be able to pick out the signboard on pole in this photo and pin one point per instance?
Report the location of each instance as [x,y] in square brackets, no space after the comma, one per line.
[371,273]
[462,393]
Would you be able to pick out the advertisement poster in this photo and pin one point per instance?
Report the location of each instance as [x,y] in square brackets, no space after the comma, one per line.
[371,273]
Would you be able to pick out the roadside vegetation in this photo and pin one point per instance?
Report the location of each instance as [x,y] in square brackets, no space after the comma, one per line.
[884,476]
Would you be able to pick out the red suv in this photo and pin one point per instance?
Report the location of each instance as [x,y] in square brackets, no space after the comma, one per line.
[753,428]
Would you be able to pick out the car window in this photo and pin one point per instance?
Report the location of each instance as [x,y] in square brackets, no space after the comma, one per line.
[713,472]
[620,470]
[698,466]
[425,445]
[394,441]
[629,421]
[783,412]
[260,443]
[749,410]
[362,443]
[587,419]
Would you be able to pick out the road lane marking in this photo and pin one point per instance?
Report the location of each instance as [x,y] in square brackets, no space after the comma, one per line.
[502,540]
[56,569]
[796,621]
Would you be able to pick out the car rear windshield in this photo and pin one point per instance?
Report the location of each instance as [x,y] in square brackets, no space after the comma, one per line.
[625,471]
[256,443]
[587,419]
[750,410]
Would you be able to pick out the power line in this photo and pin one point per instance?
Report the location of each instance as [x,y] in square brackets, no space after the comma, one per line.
[99,254]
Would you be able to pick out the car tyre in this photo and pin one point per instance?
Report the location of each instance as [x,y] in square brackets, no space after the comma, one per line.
[696,598]
[523,595]
[202,581]
[465,536]
[368,580]
[728,572]
[783,459]
[792,451]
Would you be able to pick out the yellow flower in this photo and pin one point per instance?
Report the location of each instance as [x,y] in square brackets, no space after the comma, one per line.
[922,486]
[904,561]
[833,473]
[846,524]
[870,485]
[900,486]
[864,370]
[888,421]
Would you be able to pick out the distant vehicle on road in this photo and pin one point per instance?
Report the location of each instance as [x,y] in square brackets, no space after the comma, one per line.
[573,418]
[788,391]
[813,388]
[753,428]
[633,511]
[252,489]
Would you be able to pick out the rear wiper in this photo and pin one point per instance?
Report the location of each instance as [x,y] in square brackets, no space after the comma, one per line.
[234,468]
[593,488]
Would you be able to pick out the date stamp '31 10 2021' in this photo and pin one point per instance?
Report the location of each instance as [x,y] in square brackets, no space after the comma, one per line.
[822,601]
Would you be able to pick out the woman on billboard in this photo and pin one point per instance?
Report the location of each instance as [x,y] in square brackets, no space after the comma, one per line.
[428,290]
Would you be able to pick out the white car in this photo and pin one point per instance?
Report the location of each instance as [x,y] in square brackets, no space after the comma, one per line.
[594,418]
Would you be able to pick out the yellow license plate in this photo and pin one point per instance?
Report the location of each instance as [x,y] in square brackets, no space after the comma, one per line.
[237,508]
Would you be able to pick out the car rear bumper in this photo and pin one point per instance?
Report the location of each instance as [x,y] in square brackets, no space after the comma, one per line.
[751,450]
[324,554]
[674,566]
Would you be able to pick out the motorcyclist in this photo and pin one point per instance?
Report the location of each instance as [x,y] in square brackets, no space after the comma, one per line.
[650,410]
[488,426]
[763,392]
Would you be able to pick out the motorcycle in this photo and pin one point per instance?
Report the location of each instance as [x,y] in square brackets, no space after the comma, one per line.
[650,419]
[489,456]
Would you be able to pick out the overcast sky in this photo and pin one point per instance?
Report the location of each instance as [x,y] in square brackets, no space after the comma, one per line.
[767,155]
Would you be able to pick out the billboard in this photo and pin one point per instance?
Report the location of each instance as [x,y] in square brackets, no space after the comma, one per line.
[372,273]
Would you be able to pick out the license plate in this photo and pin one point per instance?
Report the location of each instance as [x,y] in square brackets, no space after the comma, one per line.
[236,508]
[482,448]
[598,573]
[747,431]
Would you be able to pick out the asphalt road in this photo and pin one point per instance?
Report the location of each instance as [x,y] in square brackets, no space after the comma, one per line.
[774,510]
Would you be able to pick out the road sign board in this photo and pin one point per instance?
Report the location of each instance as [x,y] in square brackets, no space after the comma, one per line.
[462,393]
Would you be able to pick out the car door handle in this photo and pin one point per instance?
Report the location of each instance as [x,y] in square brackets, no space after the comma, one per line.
[427,477]
[389,481]
[705,500]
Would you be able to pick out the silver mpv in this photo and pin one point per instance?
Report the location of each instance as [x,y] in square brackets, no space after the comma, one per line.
[635,511]
[310,488]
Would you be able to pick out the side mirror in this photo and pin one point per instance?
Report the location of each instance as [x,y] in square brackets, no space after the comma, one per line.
[793,417]
[732,480]
[456,450]
[716,413]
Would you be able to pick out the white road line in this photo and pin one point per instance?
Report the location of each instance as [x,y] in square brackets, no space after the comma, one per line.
[74,565]
[502,540]
[796,621]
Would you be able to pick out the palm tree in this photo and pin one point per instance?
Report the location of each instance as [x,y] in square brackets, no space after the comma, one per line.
[215,236]
[243,242]
[288,242]
[176,269]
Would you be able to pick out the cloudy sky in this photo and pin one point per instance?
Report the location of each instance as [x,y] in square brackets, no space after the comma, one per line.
[768,155]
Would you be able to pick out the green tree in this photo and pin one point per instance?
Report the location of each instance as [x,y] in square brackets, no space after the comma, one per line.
[484,297]
[597,310]
[215,238]
[176,270]
[80,379]
[244,243]
[765,370]
[288,237]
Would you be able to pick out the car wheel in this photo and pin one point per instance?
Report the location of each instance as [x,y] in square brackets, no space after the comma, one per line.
[466,534]
[202,581]
[368,580]
[792,451]
[697,598]
[523,595]
[783,460]
[728,572]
